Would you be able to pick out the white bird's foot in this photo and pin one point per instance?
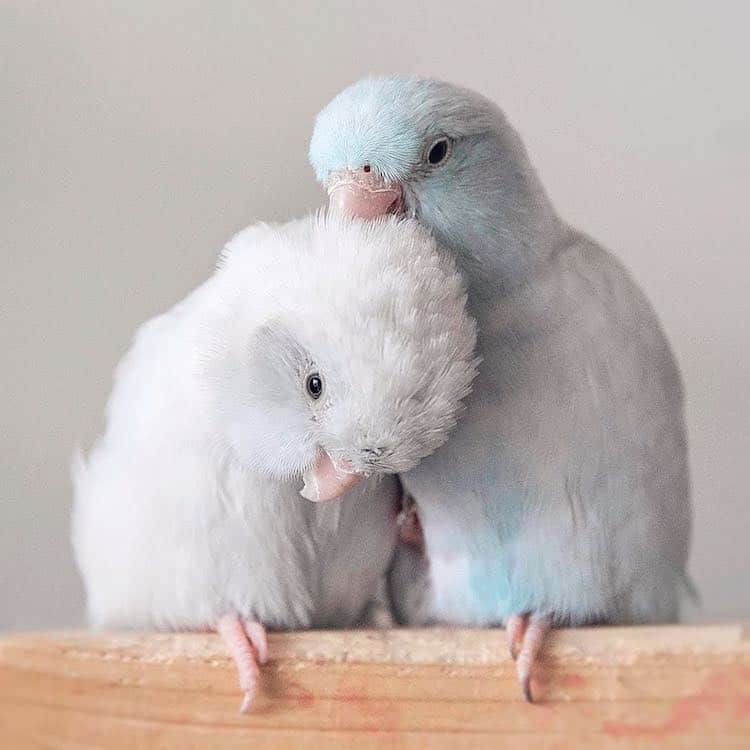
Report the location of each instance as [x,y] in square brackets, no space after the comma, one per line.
[248,647]
[525,634]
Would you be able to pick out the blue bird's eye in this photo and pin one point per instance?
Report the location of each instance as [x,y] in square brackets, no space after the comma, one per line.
[439,151]
[314,385]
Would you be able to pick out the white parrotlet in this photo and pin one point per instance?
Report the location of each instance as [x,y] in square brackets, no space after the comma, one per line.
[330,351]
[563,496]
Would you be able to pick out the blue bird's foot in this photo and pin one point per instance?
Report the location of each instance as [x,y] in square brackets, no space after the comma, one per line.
[525,634]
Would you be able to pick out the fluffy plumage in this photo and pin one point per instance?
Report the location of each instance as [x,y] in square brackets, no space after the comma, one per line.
[564,491]
[188,507]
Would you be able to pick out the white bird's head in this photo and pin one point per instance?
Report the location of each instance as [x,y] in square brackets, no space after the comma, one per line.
[339,349]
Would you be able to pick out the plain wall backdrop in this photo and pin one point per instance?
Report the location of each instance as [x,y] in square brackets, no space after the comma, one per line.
[138,136]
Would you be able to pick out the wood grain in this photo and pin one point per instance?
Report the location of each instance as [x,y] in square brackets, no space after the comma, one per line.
[665,687]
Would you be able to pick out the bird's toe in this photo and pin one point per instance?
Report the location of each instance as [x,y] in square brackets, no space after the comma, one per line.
[247,702]
[514,631]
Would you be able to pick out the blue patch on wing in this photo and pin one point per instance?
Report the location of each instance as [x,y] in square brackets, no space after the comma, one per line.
[494,595]
[495,584]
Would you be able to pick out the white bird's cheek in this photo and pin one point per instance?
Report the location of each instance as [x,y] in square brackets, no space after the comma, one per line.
[275,442]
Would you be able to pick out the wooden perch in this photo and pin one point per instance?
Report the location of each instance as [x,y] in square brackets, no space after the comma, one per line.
[662,687]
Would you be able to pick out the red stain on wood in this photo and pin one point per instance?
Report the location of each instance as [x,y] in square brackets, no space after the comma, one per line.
[743,701]
[572,680]
[718,692]
[379,714]
[304,697]
[685,712]
[352,696]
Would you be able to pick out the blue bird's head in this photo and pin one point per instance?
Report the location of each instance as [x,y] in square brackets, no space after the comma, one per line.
[441,153]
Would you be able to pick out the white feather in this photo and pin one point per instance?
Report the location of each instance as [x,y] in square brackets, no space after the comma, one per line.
[189,506]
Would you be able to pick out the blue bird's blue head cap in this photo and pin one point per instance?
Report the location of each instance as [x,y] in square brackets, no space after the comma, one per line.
[389,122]
[441,153]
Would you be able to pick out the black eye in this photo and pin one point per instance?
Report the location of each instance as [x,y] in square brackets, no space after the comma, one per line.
[439,152]
[314,385]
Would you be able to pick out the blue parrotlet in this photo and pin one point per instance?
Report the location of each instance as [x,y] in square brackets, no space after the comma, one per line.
[563,497]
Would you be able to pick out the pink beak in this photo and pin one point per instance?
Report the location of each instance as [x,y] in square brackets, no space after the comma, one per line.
[363,193]
[325,481]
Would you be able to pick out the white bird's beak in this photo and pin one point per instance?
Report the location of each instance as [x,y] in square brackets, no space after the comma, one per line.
[363,193]
[326,481]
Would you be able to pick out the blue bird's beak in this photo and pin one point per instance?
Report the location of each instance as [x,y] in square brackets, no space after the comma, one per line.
[363,193]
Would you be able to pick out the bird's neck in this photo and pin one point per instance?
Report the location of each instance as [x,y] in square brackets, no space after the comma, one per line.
[512,229]
[509,255]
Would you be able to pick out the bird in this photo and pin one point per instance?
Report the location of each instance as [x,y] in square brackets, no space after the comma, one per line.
[323,356]
[563,496]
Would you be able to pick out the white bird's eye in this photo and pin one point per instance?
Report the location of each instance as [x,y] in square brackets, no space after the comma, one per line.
[314,385]
[439,151]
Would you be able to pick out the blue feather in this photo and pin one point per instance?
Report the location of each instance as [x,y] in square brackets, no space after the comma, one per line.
[565,488]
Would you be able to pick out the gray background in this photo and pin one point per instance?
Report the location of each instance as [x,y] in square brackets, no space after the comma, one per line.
[137,136]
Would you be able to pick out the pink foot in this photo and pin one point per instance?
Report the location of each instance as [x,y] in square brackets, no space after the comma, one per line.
[525,635]
[515,627]
[409,527]
[248,646]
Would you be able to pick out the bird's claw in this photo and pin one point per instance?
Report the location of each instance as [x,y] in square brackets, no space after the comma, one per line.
[247,702]
[526,687]
[248,646]
[525,635]
[514,629]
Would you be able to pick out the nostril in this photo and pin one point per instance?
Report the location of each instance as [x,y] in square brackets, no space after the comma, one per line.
[374,452]
[366,168]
